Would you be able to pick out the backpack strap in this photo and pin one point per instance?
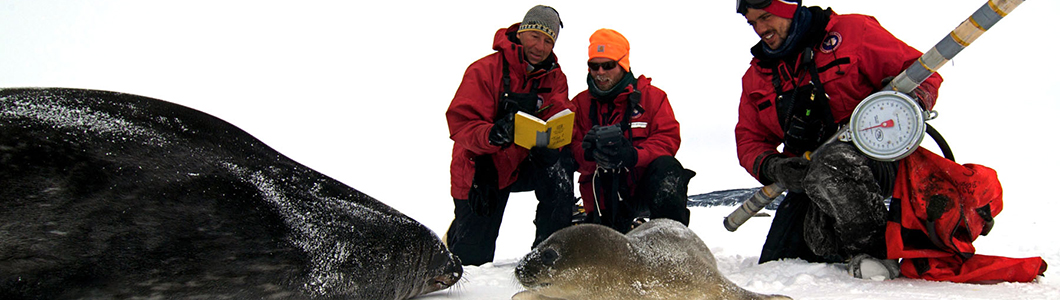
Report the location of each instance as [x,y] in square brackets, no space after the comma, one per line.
[805,115]
[631,104]
[504,104]
[818,89]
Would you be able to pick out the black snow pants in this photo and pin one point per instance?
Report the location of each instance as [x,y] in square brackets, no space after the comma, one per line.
[661,192]
[842,212]
[473,238]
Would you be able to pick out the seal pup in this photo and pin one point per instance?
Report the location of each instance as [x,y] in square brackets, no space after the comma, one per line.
[108,195]
[661,259]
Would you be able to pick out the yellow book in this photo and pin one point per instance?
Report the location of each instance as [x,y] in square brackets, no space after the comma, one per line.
[531,131]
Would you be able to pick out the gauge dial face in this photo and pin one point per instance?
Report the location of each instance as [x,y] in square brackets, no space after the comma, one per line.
[887,126]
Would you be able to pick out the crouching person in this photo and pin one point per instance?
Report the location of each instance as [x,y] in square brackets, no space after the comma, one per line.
[625,139]
[521,76]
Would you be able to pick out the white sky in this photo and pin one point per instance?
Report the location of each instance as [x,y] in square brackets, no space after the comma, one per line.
[358,91]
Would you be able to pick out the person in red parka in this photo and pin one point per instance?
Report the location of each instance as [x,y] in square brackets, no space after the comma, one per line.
[810,69]
[522,75]
[625,139]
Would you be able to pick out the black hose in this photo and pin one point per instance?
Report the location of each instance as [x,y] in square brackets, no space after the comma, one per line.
[935,135]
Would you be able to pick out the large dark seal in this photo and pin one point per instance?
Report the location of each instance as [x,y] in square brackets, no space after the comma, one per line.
[661,259]
[109,195]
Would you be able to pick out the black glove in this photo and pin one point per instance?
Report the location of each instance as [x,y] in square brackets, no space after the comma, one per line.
[482,201]
[787,172]
[613,156]
[589,143]
[543,157]
[503,131]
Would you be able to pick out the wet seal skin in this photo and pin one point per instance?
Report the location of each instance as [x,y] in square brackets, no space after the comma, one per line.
[110,195]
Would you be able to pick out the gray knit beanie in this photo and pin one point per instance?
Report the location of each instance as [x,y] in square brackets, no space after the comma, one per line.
[544,19]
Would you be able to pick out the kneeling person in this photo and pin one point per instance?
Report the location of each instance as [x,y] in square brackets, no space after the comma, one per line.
[522,75]
[625,139]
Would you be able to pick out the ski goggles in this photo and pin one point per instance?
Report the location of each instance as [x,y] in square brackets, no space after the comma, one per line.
[743,5]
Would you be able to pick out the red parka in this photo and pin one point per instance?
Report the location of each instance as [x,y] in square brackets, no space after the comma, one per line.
[654,129]
[471,114]
[943,207]
[854,57]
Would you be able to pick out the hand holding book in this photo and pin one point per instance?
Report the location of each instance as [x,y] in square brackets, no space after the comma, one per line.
[554,133]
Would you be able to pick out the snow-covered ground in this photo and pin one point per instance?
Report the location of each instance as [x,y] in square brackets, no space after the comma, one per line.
[737,256]
[357,90]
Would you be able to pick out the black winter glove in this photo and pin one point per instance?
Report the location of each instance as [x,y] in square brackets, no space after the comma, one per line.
[543,157]
[503,131]
[589,144]
[482,201]
[787,172]
[615,156]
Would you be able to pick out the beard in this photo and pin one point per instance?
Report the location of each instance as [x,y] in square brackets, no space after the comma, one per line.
[603,82]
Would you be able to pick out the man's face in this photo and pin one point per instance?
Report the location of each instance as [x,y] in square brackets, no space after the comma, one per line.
[772,29]
[604,78]
[537,46]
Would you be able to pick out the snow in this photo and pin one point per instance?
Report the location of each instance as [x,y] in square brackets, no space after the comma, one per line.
[357,90]
[737,257]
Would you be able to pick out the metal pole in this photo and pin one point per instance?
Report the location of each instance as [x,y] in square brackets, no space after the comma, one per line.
[958,39]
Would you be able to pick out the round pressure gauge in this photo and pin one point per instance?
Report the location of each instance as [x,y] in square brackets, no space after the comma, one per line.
[887,126]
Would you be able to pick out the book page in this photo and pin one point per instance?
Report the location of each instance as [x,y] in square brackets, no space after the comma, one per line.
[531,131]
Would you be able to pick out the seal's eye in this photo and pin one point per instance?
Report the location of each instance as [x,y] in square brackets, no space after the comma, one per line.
[549,257]
[438,260]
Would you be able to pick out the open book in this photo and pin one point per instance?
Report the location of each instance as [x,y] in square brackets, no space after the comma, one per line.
[531,131]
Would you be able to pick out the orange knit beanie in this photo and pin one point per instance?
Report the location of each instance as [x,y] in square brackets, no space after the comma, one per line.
[610,44]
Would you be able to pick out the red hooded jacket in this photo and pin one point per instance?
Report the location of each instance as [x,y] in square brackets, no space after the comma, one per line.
[654,129]
[939,208]
[854,57]
[471,114]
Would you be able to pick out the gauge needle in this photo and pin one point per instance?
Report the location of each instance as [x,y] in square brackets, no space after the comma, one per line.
[885,124]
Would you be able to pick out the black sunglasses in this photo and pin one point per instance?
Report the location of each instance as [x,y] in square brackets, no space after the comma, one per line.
[607,66]
[743,5]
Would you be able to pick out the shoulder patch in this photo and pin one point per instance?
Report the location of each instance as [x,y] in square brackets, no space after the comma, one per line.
[637,112]
[831,41]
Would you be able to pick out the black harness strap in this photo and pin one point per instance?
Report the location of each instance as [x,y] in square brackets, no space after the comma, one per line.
[616,205]
[835,63]
[804,112]
[506,93]
[819,96]
[506,78]
[632,104]
[777,85]
[815,76]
